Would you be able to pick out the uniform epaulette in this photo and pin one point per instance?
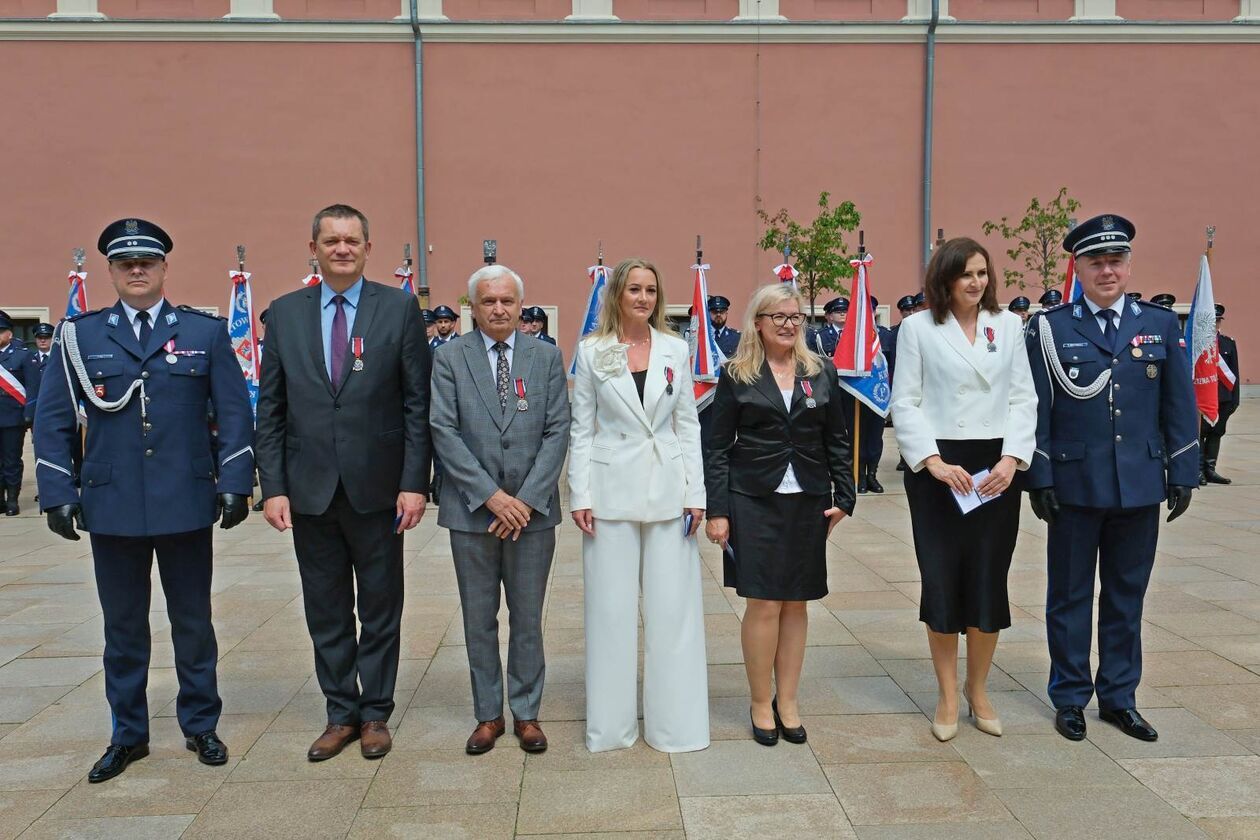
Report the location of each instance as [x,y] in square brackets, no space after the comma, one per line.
[184,307]
[79,315]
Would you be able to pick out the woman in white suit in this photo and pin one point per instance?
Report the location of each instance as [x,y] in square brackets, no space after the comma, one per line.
[963,402]
[636,489]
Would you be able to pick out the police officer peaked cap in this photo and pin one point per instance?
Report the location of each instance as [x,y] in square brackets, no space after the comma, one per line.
[444,311]
[1108,234]
[6,323]
[1220,311]
[920,299]
[1164,299]
[1020,304]
[874,302]
[428,316]
[1134,296]
[836,305]
[130,239]
[262,316]
[527,315]
[906,303]
[717,303]
[537,313]
[44,330]
[1052,297]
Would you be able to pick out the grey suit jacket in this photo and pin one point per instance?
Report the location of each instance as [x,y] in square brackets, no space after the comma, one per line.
[484,448]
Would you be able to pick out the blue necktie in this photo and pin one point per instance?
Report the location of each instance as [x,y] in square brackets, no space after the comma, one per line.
[146,330]
[1109,331]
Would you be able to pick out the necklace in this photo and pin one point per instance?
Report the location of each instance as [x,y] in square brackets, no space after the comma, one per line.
[636,343]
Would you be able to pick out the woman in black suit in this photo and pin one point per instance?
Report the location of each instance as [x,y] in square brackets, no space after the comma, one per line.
[779,476]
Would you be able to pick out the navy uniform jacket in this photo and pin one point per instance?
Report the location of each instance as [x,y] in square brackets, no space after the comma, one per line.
[1229,400]
[16,360]
[134,483]
[888,341]
[1123,446]
[437,341]
[727,340]
[823,340]
[35,375]
[546,338]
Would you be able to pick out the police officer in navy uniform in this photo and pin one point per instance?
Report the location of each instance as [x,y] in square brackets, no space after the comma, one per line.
[444,319]
[727,338]
[1228,399]
[145,372]
[534,322]
[906,308]
[1020,307]
[1117,434]
[430,323]
[16,387]
[1051,297]
[823,340]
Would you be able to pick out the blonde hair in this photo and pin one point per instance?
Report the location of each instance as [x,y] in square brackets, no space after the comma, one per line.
[745,366]
[610,306]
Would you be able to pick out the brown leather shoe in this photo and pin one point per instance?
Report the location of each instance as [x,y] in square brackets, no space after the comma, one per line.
[483,737]
[332,742]
[530,734]
[374,738]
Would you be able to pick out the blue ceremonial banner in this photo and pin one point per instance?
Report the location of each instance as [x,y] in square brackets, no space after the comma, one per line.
[242,333]
[873,389]
[599,279]
[859,358]
[76,302]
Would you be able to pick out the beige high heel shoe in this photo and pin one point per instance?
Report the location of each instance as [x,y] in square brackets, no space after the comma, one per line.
[990,726]
[944,731]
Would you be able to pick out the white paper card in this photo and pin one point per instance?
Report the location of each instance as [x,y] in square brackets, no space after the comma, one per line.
[967,502]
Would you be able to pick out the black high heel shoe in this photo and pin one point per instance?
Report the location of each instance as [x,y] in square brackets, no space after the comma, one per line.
[765,737]
[793,735]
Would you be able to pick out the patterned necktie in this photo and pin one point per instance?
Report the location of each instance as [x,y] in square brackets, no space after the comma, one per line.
[502,373]
[1109,331]
[337,340]
[145,329]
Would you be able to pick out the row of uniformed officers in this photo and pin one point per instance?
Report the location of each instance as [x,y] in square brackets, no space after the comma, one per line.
[1088,408]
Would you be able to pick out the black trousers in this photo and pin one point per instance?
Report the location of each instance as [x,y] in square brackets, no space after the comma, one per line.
[341,553]
[123,567]
[12,438]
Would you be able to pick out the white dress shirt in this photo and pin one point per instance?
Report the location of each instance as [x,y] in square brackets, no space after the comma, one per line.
[1117,307]
[493,355]
[789,484]
[131,313]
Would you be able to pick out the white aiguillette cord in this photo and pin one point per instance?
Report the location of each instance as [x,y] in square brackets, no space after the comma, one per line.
[1055,368]
[71,358]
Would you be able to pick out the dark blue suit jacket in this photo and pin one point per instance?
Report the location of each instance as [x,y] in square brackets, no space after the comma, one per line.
[1122,447]
[165,480]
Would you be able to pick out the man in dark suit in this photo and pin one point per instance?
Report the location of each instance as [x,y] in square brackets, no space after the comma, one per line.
[343,458]
[1117,434]
[1228,398]
[146,479]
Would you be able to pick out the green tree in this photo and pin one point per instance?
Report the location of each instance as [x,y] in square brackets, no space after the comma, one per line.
[822,257]
[1038,240]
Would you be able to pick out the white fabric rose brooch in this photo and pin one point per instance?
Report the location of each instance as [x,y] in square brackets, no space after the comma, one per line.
[611,361]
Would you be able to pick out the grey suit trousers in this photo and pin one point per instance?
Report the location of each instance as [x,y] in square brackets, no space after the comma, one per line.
[484,564]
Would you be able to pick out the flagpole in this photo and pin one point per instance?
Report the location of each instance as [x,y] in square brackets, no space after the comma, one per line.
[1211,236]
[857,404]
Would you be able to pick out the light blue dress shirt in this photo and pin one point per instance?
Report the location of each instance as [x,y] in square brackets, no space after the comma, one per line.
[326,312]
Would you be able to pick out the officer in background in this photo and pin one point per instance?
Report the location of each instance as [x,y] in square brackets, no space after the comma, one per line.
[727,338]
[43,334]
[1051,297]
[920,302]
[1228,398]
[534,322]
[1020,307]
[823,341]
[444,319]
[1163,299]
[430,323]
[17,375]
[1136,296]
[871,444]
[145,371]
[1116,435]
[905,307]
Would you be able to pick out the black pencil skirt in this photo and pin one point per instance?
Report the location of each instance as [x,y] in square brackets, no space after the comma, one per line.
[963,559]
[779,546]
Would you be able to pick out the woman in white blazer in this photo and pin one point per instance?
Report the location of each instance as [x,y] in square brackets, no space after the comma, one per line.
[636,489]
[963,402]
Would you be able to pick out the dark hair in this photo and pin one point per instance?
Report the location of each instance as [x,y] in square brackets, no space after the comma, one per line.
[339,211]
[948,264]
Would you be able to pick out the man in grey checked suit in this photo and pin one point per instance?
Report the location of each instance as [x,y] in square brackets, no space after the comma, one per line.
[500,418]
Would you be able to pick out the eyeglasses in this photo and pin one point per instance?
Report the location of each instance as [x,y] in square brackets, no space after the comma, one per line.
[780,319]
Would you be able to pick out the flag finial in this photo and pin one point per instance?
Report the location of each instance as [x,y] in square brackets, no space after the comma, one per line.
[79,254]
[240,257]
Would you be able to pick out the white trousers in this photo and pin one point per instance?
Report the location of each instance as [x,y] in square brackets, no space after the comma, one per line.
[621,557]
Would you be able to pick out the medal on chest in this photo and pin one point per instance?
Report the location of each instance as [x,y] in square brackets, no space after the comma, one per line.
[356,347]
[169,347]
[669,380]
[521,403]
[989,335]
[808,388]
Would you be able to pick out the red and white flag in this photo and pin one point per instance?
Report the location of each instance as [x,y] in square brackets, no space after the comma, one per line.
[311,280]
[1201,344]
[786,273]
[706,356]
[10,386]
[403,275]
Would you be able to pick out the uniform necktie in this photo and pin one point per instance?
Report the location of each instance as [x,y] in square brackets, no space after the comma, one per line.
[337,340]
[145,329]
[1109,331]
[502,373]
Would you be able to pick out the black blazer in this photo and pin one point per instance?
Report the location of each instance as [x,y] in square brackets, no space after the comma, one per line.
[753,439]
[370,432]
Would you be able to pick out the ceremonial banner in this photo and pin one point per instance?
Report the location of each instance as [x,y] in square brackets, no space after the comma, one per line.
[76,302]
[859,358]
[10,386]
[242,332]
[1072,288]
[1201,345]
[403,275]
[311,280]
[598,275]
[706,356]
[786,273]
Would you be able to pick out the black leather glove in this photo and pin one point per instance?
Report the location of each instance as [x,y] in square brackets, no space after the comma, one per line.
[63,519]
[234,508]
[1178,501]
[1045,504]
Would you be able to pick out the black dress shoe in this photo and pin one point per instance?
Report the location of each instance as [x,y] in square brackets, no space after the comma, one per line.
[765,737]
[872,483]
[115,760]
[794,734]
[210,750]
[1070,722]
[1130,723]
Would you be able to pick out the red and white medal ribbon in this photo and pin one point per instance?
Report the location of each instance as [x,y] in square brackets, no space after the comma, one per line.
[988,334]
[669,380]
[521,403]
[169,347]
[808,388]
[356,347]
